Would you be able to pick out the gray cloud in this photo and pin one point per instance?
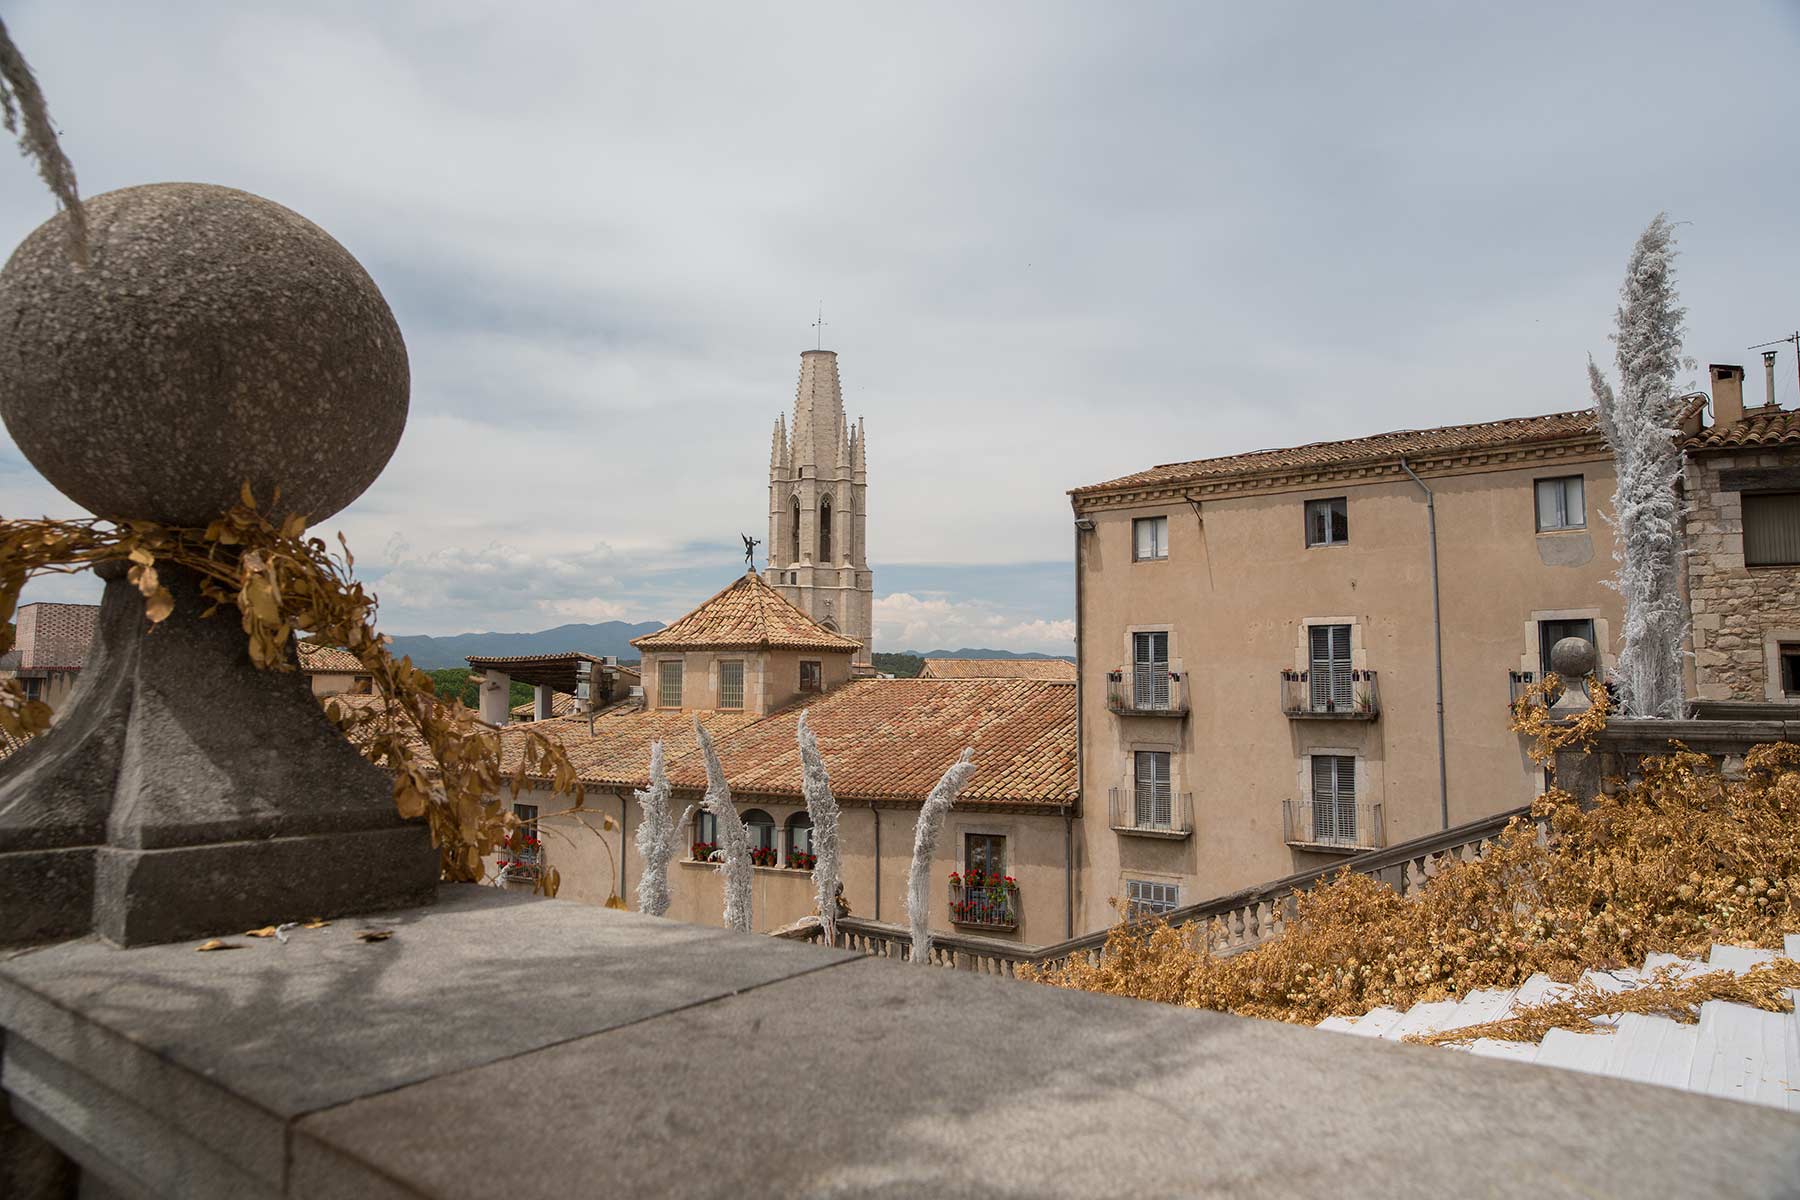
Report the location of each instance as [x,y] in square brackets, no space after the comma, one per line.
[1055,243]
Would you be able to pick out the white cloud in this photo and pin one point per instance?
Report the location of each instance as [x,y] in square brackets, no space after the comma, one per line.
[904,621]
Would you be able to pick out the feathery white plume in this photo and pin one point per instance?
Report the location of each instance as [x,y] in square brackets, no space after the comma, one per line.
[822,807]
[925,839]
[1641,424]
[658,837]
[734,839]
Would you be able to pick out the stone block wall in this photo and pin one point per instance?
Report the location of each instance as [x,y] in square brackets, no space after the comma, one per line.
[1738,611]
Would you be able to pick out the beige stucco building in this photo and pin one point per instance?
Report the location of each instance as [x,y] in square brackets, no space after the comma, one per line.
[1259,641]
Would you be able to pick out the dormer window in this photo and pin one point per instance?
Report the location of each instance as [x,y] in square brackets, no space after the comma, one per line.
[825,530]
[812,676]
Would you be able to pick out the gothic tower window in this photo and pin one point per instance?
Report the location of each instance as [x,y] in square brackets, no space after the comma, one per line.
[794,532]
[825,530]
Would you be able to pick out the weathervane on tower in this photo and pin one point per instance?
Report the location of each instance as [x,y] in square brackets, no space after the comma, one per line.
[819,328]
[750,545]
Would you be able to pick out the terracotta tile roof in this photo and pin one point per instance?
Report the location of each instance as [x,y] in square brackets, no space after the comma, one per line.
[1761,426]
[748,615]
[329,660]
[998,668]
[54,637]
[617,752]
[504,660]
[883,740]
[1448,439]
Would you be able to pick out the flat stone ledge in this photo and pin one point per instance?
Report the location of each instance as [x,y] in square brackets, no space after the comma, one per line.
[620,1054]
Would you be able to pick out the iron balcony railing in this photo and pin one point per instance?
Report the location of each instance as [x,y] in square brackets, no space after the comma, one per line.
[523,865]
[1347,695]
[1332,825]
[986,904]
[1147,692]
[1152,814]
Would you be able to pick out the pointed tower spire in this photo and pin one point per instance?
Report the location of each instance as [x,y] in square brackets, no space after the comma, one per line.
[843,444]
[859,461]
[778,444]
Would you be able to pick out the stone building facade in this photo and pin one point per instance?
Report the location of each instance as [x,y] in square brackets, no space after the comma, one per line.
[50,647]
[818,551]
[1742,481]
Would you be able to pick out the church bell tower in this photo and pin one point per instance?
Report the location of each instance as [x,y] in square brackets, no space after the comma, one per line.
[818,508]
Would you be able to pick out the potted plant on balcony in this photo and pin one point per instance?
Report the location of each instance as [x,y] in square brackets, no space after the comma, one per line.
[762,856]
[802,860]
[704,851]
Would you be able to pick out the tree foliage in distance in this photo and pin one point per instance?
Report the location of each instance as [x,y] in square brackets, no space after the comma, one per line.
[900,666]
[1641,422]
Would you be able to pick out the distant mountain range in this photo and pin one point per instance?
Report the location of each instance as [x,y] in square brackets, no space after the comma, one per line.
[606,638]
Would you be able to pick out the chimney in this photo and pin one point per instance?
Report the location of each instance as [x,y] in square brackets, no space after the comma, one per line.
[1727,395]
[1769,375]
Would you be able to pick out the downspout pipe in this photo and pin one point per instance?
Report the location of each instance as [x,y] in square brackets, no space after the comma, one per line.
[1437,637]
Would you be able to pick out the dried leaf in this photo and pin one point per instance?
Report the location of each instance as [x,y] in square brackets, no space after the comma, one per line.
[216,944]
[374,935]
[267,931]
[613,901]
[316,923]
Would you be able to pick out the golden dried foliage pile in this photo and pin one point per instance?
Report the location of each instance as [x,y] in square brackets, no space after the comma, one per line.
[446,766]
[1674,862]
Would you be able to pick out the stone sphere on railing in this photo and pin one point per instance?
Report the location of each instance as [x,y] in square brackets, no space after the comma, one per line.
[213,338]
[1573,658]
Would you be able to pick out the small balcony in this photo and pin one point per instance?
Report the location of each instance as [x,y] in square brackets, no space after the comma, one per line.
[1168,816]
[522,863]
[1333,828]
[978,902]
[1147,693]
[1357,698]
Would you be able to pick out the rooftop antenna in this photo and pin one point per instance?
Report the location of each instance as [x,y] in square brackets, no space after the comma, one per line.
[819,328]
[1793,337]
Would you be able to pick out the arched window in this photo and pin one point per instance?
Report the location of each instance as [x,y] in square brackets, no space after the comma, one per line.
[706,835]
[825,530]
[800,841]
[794,532]
[761,828]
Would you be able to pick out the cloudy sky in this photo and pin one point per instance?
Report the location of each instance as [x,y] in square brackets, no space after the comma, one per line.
[1054,243]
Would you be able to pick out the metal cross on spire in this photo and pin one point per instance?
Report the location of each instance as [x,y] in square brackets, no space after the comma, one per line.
[819,328]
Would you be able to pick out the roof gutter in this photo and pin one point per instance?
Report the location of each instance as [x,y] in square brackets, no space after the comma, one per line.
[1437,637]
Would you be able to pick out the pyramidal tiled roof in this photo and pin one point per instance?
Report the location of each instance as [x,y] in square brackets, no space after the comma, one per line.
[748,615]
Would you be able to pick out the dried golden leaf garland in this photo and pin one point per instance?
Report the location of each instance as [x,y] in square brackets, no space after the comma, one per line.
[1676,861]
[446,766]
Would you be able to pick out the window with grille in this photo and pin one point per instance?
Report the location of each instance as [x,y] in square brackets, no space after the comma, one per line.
[1771,529]
[1328,521]
[1153,797]
[1328,668]
[812,677]
[668,684]
[1552,632]
[1150,670]
[731,685]
[1334,798]
[1148,898]
[1560,504]
[1150,538]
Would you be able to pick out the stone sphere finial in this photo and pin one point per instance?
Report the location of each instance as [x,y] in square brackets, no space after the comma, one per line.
[214,337]
[1573,658]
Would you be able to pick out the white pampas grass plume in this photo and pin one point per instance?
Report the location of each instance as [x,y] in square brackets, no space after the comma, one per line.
[925,839]
[658,837]
[822,807]
[1641,423]
[734,839]
[21,100]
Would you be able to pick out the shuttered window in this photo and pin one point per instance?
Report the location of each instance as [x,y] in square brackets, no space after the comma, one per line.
[1328,670]
[1334,798]
[668,684]
[1150,538]
[1771,529]
[1154,800]
[1148,898]
[1150,670]
[731,685]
